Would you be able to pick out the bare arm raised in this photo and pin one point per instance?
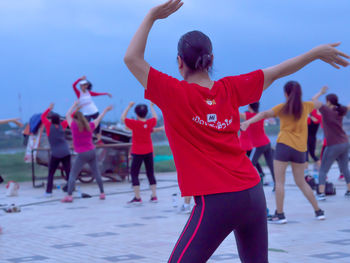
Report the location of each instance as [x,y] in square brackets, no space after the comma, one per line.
[318,104]
[101,116]
[125,112]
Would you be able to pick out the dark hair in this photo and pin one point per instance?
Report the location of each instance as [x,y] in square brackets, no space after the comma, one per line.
[333,99]
[294,104]
[255,106]
[55,118]
[141,110]
[89,86]
[196,50]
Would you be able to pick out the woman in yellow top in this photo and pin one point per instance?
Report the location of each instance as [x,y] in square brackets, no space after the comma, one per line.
[291,146]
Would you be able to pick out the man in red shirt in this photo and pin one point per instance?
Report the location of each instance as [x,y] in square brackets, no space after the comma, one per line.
[142,148]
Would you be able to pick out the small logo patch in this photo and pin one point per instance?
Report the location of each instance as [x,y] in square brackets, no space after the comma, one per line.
[211,118]
[145,126]
[210,102]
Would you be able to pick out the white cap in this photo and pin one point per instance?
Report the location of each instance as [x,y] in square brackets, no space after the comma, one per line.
[84,81]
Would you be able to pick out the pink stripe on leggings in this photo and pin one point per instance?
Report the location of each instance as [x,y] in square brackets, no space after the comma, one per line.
[195,231]
[183,232]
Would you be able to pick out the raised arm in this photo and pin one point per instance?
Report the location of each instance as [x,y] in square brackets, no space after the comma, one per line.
[69,113]
[125,112]
[101,116]
[327,53]
[154,114]
[76,90]
[318,104]
[260,116]
[94,94]
[44,118]
[158,129]
[134,56]
[13,120]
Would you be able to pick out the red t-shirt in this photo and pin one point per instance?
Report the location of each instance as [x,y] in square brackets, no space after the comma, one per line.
[202,127]
[257,132]
[141,135]
[245,138]
[317,116]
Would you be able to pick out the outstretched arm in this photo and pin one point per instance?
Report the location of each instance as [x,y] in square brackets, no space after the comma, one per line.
[318,104]
[69,117]
[13,120]
[125,112]
[256,118]
[154,114]
[327,53]
[101,116]
[134,56]
[94,94]
[158,129]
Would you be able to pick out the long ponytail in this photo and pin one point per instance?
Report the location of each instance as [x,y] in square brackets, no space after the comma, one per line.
[294,104]
[82,122]
[333,99]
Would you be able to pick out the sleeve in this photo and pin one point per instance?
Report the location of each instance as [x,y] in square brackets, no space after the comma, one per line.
[152,123]
[45,121]
[162,89]
[246,88]
[77,92]
[94,94]
[64,124]
[277,109]
[129,123]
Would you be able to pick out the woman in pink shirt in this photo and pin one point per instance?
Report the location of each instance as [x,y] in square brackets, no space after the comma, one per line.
[82,132]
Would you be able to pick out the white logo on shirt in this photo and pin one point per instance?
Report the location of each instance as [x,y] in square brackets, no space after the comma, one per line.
[211,118]
[214,124]
[145,126]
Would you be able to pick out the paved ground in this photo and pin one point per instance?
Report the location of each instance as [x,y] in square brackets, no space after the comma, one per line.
[91,230]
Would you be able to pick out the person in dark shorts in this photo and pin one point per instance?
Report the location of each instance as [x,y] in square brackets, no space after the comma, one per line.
[338,146]
[142,148]
[291,146]
[201,120]
[60,152]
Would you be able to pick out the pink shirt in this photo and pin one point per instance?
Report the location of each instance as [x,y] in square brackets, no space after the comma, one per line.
[82,141]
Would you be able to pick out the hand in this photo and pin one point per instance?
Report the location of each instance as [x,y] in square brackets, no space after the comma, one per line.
[83,78]
[76,103]
[109,108]
[109,95]
[52,105]
[18,122]
[131,103]
[164,10]
[329,54]
[244,125]
[324,90]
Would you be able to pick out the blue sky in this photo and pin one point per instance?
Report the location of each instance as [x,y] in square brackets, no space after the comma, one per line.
[47,44]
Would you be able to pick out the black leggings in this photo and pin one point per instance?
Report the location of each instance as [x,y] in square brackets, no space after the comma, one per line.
[257,165]
[311,147]
[54,162]
[265,150]
[215,216]
[136,163]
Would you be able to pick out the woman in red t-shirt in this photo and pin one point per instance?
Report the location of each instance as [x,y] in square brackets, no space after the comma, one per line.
[201,121]
[259,139]
[142,148]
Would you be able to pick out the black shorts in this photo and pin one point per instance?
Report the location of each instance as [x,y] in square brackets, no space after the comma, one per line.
[91,118]
[285,153]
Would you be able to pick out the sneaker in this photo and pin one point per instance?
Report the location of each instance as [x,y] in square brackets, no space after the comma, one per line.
[135,201]
[347,194]
[319,214]
[341,177]
[185,209]
[153,199]
[102,196]
[277,218]
[48,195]
[320,197]
[67,199]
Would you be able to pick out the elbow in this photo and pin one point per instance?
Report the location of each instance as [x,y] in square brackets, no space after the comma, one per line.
[128,60]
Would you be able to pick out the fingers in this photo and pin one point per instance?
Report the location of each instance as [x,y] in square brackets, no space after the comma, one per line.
[343,54]
[336,44]
[341,61]
[333,64]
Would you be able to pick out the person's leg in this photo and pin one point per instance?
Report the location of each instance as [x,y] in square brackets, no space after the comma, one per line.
[343,162]
[330,154]
[77,166]
[54,162]
[208,225]
[255,160]
[66,162]
[135,170]
[251,234]
[268,154]
[280,177]
[149,164]
[312,148]
[92,161]
[298,173]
